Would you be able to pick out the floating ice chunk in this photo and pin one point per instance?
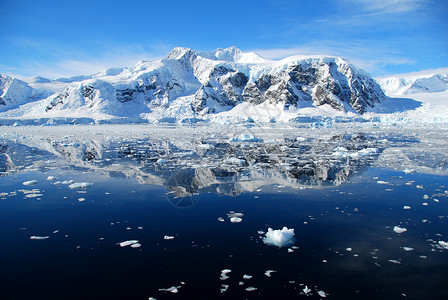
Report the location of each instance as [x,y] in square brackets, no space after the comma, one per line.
[36,237]
[280,238]
[128,243]
[234,161]
[247,276]
[67,182]
[406,207]
[382,182]
[425,203]
[173,289]
[136,245]
[80,185]
[419,186]
[290,250]
[152,298]
[394,261]
[33,195]
[31,182]
[220,219]
[426,197]
[224,288]
[245,138]
[348,249]
[368,151]
[57,183]
[443,244]
[236,219]
[168,237]
[268,273]
[224,273]
[251,289]
[322,294]
[408,249]
[51,178]
[306,290]
[398,229]
[409,171]
[81,199]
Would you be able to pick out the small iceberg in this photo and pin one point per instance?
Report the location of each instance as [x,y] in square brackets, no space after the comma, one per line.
[35,237]
[128,243]
[80,185]
[398,229]
[280,237]
[31,182]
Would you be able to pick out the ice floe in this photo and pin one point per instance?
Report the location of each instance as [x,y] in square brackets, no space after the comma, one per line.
[80,185]
[173,289]
[30,182]
[251,289]
[399,229]
[443,244]
[224,273]
[268,273]
[128,243]
[51,178]
[408,249]
[37,237]
[168,237]
[245,276]
[406,207]
[280,237]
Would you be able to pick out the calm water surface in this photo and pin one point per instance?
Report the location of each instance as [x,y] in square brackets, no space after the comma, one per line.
[167,187]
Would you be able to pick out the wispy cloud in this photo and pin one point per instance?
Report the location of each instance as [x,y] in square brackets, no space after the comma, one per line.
[367,55]
[53,60]
[390,6]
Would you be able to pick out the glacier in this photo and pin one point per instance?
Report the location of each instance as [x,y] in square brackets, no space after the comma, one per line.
[226,86]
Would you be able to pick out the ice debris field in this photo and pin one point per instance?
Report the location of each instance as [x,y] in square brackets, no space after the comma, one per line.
[348,212]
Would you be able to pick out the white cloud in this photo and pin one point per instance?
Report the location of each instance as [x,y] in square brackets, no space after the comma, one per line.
[390,6]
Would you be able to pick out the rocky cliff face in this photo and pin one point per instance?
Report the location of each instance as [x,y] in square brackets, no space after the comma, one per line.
[219,80]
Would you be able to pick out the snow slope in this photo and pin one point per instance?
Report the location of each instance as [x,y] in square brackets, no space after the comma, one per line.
[431,81]
[198,85]
[227,86]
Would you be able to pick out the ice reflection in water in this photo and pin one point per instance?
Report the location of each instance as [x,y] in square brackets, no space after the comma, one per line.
[342,190]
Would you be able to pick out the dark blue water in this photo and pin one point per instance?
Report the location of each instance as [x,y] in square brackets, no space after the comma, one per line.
[81,258]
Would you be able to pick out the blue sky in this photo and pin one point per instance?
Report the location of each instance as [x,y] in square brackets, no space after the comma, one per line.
[66,38]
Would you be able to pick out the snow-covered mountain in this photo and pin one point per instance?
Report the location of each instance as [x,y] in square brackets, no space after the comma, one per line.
[15,92]
[412,83]
[204,83]
[191,84]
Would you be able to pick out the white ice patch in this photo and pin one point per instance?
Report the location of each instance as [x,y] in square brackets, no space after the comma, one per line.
[443,244]
[409,171]
[398,229]
[36,237]
[406,207]
[268,273]
[235,217]
[31,182]
[408,249]
[251,289]
[234,161]
[394,261]
[224,273]
[322,294]
[128,243]
[51,178]
[247,276]
[279,238]
[306,290]
[80,185]
[382,182]
[173,289]
[168,237]
[245,138]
